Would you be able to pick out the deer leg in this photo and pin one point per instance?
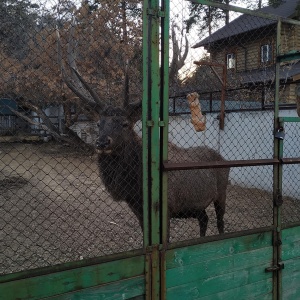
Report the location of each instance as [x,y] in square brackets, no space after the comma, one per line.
[220,211]
[203,221]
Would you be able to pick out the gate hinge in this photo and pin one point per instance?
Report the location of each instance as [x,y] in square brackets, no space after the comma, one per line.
[150,123]
[155,13]
[276,268]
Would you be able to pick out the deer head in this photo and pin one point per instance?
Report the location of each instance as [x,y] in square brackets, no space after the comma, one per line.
[116,127]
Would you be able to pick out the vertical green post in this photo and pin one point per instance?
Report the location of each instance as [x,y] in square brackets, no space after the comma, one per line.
[154,121]
[151,145]
[151,109]
[145,137]
[165,27]
[277,175]
[165,112]
[145,141]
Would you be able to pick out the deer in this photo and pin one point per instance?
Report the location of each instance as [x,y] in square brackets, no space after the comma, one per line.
[189,192]
[119,150]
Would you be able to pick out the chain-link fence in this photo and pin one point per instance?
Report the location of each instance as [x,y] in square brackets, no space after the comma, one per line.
[61,63]
[231,64]
[71,186]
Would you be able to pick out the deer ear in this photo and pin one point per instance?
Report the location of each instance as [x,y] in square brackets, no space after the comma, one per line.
[134,111]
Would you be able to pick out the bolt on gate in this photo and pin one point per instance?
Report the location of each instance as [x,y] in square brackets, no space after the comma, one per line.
[191,193]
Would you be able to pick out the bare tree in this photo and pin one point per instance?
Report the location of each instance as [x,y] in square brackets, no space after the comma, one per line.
[180,52]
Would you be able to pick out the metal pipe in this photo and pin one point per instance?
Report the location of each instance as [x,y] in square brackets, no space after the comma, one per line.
[277,174]
[219,164]
[219,237]
[70,266]
[223,95]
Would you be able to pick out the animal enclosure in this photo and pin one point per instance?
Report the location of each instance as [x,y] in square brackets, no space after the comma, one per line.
[108,189]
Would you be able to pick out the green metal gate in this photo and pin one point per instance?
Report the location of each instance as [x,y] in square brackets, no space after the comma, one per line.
[258,255]
[251,264]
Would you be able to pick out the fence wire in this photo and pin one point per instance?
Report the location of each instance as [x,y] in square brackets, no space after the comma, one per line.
[71,186]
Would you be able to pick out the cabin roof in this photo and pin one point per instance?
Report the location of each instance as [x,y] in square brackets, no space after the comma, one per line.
[246,23]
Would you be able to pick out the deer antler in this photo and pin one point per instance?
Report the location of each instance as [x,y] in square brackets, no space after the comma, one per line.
[89,89]
[77,84]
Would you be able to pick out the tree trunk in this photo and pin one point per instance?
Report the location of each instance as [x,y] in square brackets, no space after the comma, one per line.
[227,13]
[259,4]
[125,41]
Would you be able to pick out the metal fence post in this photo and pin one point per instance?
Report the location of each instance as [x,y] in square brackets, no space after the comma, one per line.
[277,175]
[164,137]
[151,146]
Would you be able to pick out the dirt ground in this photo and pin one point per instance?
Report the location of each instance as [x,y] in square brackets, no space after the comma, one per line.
[54,209]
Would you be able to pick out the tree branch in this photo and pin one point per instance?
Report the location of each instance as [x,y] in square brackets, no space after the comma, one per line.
[30,121]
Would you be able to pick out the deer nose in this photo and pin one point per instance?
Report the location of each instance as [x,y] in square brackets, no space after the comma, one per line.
[103,142]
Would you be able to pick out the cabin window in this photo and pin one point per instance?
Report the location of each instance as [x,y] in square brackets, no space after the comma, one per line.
[230,60]
[266,53]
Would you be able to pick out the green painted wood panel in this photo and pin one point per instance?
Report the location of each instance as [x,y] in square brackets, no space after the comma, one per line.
[256,290]
[214,267]
[124,289]
[268,296]
[290,243]
[231,280]
[291,279]
[72,280]
[291,250]
[190,255]
[291,260]
[221,268]
[291,234]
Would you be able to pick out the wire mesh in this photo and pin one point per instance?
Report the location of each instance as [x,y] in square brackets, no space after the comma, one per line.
[230,64]
[63,63]
[55,207]
[291,174]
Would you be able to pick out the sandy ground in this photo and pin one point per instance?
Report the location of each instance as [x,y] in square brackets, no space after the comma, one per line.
[54,209]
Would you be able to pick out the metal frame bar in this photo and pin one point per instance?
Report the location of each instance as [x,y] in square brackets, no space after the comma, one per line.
[277,176]
[69,266]
[145,137]
[289,119]
[290,225]
[152,110]
[165,29]
[224,236]
[145,144]
[218,164]
[229,164]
